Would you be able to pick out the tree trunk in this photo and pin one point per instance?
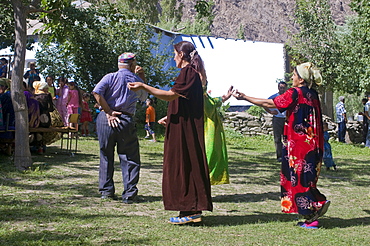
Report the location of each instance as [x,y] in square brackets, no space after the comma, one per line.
[22,154]
[327,103]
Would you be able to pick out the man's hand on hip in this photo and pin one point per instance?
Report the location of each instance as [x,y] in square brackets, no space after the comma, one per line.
[112,118]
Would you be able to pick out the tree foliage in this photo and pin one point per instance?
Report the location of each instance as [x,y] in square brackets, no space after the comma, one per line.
[171,17]
[316,40]
[86,44]
[21,10]
[6,25]
[341,52]
[146,9]
[355,47]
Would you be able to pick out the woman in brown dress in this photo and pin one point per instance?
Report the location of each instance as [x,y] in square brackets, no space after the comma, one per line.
[185,186]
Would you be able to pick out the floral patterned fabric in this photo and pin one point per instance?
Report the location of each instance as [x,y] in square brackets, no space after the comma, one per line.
[302,151]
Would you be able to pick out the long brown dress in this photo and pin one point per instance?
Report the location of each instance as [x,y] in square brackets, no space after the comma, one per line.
[186,185]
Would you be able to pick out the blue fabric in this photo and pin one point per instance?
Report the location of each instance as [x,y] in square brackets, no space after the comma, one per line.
[113,87]
[279,115]
[150,127]
[327,157]
[340,111]
[125,138]
[342,131]
[367,144]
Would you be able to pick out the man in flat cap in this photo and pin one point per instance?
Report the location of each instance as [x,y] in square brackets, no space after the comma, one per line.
[341,119]
[116,127]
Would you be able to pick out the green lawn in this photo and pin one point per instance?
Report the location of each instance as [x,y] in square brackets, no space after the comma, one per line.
[57,202]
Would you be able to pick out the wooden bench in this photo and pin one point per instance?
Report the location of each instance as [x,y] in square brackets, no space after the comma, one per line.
[70,131]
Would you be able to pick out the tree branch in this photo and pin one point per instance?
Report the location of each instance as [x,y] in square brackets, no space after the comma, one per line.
[34,8]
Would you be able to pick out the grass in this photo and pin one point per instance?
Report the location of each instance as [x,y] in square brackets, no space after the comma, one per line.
[57,202]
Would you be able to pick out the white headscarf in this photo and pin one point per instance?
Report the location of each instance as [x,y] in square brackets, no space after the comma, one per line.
[309,73]
[39,86]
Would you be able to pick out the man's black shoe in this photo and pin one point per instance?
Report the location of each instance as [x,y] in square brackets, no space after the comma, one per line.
[127,201]
[112,197]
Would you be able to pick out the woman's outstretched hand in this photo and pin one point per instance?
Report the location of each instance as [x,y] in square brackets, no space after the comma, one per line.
[163,121]
[228,94]
[135,86]
[239,95]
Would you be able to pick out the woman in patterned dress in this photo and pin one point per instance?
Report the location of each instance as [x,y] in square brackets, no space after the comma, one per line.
[302,145]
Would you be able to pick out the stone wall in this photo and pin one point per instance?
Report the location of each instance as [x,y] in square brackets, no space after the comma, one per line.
[250,125]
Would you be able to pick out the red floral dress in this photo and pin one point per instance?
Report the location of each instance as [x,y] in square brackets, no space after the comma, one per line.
[85,115]
[302,151]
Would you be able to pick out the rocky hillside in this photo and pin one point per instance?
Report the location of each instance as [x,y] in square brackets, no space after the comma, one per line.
[261,20]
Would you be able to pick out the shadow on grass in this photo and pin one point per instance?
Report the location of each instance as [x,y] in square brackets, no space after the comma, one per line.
[259,218]
[85,189]
[255,218]
[333,222]
[248,197]
[356,174]
[18,212]
[48,237]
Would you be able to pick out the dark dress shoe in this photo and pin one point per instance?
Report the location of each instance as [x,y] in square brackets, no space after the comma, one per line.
[111,197]
[127,201]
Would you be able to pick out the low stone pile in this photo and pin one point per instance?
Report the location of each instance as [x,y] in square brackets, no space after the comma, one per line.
[250,125]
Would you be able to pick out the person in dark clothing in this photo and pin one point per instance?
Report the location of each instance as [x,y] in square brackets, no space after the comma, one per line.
[186,185]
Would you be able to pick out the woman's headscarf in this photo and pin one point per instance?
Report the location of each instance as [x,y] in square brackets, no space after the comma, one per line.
[309,73]
[5,82]
[40,86]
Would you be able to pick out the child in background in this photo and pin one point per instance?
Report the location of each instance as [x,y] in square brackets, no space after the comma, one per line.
[328,157]
[62,98]
[3,68]
[74,100]
[31,76]
[150,120]
[52,90]
[85,115]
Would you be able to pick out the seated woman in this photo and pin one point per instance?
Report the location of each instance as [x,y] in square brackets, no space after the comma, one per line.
[46,106]
[6,138]
[33,108]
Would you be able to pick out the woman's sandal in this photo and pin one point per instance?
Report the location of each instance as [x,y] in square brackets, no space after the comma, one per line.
[195,218]
[309,225]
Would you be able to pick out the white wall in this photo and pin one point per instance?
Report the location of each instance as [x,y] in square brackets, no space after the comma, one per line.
[251,67]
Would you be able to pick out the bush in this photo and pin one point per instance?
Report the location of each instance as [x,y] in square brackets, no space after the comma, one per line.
[256,111]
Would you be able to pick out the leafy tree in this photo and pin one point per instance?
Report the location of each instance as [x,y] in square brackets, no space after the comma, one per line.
[89,41]
[354,71]
[146,9]
[63,22]
[171,17]
[19,11]
[317,42]
[6,25]
[203,20]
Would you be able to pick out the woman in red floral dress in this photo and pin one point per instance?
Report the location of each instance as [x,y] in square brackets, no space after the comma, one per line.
[302,147]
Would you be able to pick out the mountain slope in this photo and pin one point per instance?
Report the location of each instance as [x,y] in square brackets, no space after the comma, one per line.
[260,20]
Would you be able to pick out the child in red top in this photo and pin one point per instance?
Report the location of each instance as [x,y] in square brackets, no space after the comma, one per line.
[150,119]
[85,115]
